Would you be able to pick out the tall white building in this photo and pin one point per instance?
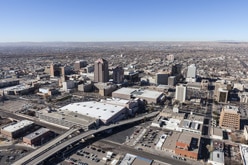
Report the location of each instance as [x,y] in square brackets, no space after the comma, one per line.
[191,73]
[170,57]
[180,93]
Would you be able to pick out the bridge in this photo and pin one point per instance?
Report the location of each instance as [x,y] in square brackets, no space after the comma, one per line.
[56,145]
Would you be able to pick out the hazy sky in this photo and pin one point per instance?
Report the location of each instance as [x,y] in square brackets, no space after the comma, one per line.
[123,20]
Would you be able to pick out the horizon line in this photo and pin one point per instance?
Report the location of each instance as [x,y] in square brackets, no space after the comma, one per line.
[9,42]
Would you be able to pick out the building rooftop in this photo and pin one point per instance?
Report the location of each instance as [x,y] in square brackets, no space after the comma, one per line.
[139,160]
[69,116]
[217,131]
[126,91]
[16,126]
[191,139]
[244,153]
[218,156]
[93,109]
[232,109]
[147,94]
[170,141]
[116,101]
[37,133]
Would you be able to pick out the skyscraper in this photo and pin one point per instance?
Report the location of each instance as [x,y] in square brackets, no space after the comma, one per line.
[180,93]
[191,73]
[101,72]
[118,74]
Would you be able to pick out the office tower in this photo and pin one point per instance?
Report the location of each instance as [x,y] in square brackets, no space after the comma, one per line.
[101,72]
[176,69]
[222,95]
[180,93]
[55,70]
[230,118]
[162,78]
[79,64]
[191,73]
[118,75]
[170,57]
[172,80]
[204,84]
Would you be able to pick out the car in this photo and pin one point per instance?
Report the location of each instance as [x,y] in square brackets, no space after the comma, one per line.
[174,157]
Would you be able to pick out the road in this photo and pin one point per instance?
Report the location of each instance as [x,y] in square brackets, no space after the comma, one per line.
[40,156]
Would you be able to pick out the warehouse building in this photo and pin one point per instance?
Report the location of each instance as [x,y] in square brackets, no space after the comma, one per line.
[106,113]
[148,95]
[38,137]
[15,130]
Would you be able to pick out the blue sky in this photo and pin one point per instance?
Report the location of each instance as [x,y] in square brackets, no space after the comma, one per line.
[123,20]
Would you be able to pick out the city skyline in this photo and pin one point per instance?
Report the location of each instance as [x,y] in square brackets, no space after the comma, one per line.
[94,21]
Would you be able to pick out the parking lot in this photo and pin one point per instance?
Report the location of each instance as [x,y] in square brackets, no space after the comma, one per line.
[8,156]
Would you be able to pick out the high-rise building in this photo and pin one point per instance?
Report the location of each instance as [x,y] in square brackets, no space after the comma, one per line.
[101,72]
[180,93]
[191,73]
[172,80]
[176,69]
[79,64]
[55,70]
[170,57]
[118,74]
[162,78]
[230,118]
[222,95]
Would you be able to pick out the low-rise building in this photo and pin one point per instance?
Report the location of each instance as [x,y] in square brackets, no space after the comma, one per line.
[8,82]
[38,137]
[170,142]
[216,158]
[216,133]
[130,159]
[187,145]
[148,95]
[15,130]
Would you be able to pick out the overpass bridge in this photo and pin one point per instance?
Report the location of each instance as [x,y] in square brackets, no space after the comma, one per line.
[51,148]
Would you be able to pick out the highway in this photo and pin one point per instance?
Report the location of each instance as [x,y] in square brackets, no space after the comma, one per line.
[46,147]
[39,156]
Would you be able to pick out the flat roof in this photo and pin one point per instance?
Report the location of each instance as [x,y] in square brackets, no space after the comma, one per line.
[126,91]
[140,160]
[138,92]
[69,116]
[37,133]
[231,109]
[217,131]
[116,101]
[19,125]
[170,141]
[128,159]
[93,109]
[148,94]
[218,156]
[191,139]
